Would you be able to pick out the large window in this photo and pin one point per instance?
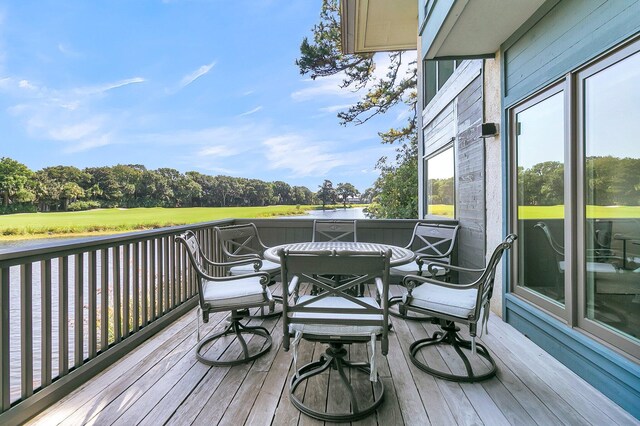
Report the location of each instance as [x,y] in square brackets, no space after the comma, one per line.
[576,198]
[539,152]
[440,172]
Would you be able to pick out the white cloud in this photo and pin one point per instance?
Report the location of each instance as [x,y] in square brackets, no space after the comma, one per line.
[334,108]
[325,86]
[217,151]
[89,144]
[253,111]
[24,84]
[66,50]
[77,131]
[91,90]
[191,77]
[301,156]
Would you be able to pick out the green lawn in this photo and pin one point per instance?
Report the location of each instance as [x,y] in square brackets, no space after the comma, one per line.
[114,220]
[600,212]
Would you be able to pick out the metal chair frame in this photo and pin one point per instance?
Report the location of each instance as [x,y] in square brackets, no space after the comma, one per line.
[334,230]
[361,267]
[449,334]
[431,242]
[200,264]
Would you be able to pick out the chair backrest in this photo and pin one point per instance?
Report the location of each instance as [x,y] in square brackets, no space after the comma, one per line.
[239,240]
[555,246]
[359,267]
[334,230]
[486,280]
[434,240]
[190,241]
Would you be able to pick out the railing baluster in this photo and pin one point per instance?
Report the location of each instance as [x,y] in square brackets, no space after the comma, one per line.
[167,275]
[160,264]
[126,265]
[175,277]
[136,286]
[5,364]
[79,309]
[26,325]
[93,277]
[183,273]
[153,276]
[45,307]
[117,319]
[145,283]
[63,315]
[104,299]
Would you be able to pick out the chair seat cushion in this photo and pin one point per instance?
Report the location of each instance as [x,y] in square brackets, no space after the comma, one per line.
[241,292]
[454,302]
[599,267]
[267,266]
[337,329]
[412,269]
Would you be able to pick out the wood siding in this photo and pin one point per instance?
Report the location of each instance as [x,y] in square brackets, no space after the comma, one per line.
[569,35]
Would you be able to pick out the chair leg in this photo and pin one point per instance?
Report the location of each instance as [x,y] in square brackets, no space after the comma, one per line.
[334,358]
[449,336]
[234,327]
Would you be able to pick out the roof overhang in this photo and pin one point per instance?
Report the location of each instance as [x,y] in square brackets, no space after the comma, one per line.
[471,28]
[378,25]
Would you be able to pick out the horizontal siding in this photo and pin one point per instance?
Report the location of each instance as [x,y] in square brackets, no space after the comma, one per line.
[569,35]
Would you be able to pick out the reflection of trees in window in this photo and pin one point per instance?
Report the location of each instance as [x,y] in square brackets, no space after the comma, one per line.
[611,181]
[440,191]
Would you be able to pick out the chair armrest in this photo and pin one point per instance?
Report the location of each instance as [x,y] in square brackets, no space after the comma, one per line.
[244,256]
[410,281]
[453,267]
[257,262]
[293,285]
[265,278]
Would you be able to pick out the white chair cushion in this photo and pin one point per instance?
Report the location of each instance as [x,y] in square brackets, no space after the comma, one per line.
[337,329]
[244,291]
[412,269]
[267,266]
[599,267]
[454,302]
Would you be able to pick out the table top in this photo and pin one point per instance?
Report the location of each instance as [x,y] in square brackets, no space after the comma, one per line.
[399,255]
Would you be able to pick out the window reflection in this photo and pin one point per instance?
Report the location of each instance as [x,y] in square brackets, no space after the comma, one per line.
[612,196]
[440,184]
[540,195]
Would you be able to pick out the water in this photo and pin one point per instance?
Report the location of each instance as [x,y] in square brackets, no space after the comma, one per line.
[352,213]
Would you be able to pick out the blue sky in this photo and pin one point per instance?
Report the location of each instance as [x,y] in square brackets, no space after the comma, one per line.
[197,85]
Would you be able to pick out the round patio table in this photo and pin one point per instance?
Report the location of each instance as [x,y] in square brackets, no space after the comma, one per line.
[399,255]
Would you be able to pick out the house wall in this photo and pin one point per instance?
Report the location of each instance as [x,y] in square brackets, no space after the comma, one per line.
[559,38]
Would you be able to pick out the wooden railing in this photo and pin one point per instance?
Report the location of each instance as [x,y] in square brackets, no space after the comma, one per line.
[69,310]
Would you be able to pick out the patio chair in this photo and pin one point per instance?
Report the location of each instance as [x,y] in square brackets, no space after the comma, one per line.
[336,317]
[452,303]
[334,230]
[235,294]
[430,242]
[243,242]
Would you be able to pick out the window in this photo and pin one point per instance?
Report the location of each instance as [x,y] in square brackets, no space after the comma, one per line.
[539,152]
[575,198]
[440,171]
[436,74]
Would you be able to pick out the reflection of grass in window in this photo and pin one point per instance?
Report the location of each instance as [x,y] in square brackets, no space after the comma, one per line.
[557,212]
[440,210]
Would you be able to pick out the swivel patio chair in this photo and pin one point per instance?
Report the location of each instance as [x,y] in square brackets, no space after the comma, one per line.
[338,318]
[334,230]
[235,294]
[243,242]
[452,303]
[430,242]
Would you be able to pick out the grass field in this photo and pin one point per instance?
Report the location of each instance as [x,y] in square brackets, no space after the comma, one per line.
[600,212]
[36,225]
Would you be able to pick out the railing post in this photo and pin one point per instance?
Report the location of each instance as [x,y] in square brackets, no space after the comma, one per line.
[63,315]
[136,286]
[93,276]
[117,319]
[104,299]
[79,309]
[126,265]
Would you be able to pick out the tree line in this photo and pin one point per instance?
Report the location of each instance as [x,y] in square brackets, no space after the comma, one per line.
[68,188]
[610,181]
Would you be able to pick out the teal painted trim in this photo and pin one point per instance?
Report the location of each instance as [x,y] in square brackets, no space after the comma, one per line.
[433,23]
[529,23]
[611,373]
[506,217]
[490,55]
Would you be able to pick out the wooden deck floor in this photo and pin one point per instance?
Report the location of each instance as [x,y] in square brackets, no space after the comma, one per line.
[161,382]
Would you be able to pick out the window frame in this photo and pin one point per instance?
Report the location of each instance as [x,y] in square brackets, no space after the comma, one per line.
[556,309]
[426,158]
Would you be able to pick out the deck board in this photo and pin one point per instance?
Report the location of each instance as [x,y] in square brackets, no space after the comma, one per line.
[161,382]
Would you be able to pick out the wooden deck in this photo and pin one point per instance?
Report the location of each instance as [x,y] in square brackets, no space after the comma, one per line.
[161,382]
